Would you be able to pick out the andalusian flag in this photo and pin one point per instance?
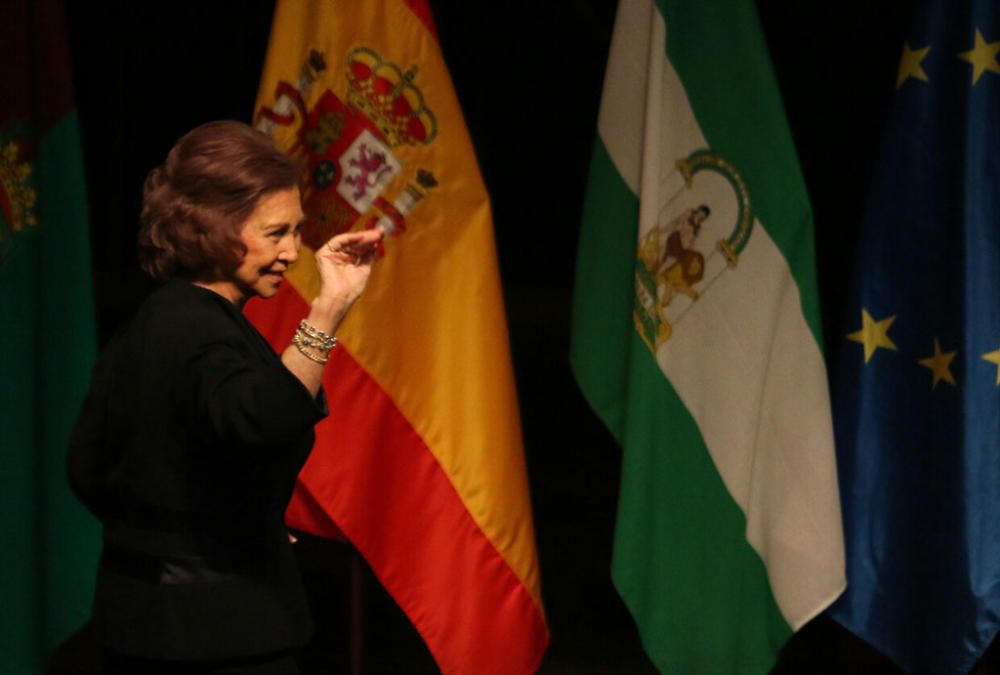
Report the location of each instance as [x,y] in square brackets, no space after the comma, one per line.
[420,464]
[50,543]
[696,338]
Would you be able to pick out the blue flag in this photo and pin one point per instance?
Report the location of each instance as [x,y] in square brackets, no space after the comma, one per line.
[917,391]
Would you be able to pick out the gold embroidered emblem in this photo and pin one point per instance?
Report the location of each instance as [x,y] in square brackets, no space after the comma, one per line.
[670,264]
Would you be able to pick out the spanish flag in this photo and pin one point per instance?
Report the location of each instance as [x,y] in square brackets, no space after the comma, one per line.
[420,463]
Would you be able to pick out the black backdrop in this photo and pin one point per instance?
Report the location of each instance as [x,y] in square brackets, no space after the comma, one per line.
[528,74]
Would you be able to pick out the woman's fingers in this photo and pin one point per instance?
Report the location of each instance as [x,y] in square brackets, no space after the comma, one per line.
[363,239]
[355,248]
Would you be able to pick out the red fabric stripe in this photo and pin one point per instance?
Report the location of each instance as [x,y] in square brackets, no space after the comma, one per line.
[34,65]
[377,479]
[422,10]
[306,514]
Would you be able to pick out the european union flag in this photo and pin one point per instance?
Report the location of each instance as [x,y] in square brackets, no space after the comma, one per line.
[917,398]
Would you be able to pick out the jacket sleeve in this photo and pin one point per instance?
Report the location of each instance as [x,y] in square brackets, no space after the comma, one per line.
[90,450]
[241,399]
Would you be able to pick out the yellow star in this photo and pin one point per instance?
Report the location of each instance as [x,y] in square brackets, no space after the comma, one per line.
[909,65]
[994,357]
[983,57]
[940,365]
[873,334]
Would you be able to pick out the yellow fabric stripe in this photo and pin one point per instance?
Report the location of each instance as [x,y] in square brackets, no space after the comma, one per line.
[430,328]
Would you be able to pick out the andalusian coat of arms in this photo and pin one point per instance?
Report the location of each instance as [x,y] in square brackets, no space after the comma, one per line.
[17,196]
[673,268]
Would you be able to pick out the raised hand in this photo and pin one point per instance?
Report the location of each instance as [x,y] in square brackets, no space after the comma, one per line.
[344,264]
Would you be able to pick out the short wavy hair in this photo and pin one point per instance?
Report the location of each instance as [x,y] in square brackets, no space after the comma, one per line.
[195,204]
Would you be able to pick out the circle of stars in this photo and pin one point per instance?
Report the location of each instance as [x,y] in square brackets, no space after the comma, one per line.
[874,335]
[982,57]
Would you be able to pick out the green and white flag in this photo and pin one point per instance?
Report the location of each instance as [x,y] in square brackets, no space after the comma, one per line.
[48,341]
[696,338]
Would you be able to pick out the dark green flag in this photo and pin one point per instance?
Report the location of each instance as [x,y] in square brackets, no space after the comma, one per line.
[47,340]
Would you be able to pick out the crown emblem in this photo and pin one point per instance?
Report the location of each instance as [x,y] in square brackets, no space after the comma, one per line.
[387,96]
[17,198]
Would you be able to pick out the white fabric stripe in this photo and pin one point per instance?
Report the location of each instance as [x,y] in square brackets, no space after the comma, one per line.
[743,359]
[653,128]
[623,99]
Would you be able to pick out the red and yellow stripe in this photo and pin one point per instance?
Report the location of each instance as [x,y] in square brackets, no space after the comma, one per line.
[421,463]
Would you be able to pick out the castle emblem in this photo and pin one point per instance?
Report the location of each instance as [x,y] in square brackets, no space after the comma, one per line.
[672,270]
[17,197]
[351,147]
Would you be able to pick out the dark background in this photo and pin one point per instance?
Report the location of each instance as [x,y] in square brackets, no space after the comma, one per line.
[529,77]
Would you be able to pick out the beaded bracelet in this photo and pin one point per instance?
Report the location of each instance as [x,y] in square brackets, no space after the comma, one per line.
[299,343]
[317,338]
[309,337]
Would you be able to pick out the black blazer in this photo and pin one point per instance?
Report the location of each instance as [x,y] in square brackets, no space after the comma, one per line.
[187,450]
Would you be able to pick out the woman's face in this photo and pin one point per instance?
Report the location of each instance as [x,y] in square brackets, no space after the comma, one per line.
[272,237]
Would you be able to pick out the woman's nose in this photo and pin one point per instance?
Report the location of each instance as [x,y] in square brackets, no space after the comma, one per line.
[290,249]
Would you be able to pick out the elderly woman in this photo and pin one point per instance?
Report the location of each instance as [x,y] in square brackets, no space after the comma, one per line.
[194,429]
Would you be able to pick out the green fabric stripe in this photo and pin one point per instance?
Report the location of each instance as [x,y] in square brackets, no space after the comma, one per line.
[697,589]
[50,551]
[720,55]
[19,518]
[71,543]
[602,297]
